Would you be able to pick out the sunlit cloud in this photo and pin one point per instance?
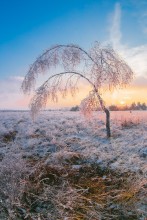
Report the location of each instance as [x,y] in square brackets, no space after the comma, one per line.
[136,57]
[115,32]
[140,82]
[16,78]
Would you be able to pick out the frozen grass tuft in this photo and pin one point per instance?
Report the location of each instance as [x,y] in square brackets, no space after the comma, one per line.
[13,173]
[129,123]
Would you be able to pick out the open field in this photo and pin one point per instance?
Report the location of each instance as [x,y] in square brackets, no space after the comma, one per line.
[62,166]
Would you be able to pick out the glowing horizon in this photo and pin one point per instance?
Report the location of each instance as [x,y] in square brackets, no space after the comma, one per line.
[117,97]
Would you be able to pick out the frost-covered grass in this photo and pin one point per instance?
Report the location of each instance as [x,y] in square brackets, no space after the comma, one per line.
[62,166]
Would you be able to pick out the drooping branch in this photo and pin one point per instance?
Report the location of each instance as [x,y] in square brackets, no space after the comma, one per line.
[52,87]
[111,70]
[102,65]
[69,55]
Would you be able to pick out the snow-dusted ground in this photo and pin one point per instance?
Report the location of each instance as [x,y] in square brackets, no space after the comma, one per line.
[57,134]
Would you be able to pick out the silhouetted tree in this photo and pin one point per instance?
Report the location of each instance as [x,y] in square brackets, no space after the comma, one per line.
[143,106]
[133,106]
[75,108]
[138,106]
[100,67]
[113,108]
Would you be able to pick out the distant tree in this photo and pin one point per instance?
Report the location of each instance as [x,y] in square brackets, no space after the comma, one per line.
[138,106]
[124,108]
[101,67]
[143,106]
[75,108]
[113,108]
[133,106]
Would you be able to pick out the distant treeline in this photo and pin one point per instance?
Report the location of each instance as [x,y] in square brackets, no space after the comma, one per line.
[133,106]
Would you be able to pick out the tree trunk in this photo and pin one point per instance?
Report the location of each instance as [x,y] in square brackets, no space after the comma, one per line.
[107,122]
[106,111]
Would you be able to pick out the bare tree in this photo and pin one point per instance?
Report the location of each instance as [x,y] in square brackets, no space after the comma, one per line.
[101,67]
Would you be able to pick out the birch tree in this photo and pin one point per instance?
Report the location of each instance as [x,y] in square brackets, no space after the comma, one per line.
[101,67]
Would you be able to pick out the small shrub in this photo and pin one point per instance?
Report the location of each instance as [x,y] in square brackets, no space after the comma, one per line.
[129,123]
[10,136]
[75,108]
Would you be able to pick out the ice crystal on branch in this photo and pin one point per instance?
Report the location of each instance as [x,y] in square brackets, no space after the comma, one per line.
[89,104]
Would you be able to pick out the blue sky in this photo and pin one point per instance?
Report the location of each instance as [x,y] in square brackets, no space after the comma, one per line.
[30,26]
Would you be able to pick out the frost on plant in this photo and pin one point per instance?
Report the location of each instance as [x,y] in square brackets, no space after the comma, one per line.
[100,67]
[89,104]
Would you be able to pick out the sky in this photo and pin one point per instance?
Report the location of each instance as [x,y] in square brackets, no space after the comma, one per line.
[29,27]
